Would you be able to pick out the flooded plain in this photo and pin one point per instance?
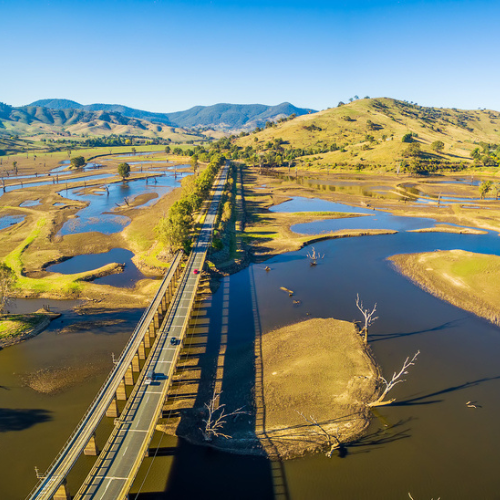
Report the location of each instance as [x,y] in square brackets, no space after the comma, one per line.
[83,263]
[99,216]
[429,443]
[9,220]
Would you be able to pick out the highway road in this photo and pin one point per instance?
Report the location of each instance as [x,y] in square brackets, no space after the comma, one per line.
[119,462]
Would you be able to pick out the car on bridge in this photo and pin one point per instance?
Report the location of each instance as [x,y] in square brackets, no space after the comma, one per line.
[150,376]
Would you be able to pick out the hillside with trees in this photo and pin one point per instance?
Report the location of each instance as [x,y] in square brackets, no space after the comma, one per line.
[378,132]
[36,121]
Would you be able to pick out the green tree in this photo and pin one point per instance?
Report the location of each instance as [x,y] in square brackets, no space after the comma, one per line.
[496,187]
[413,150]
[167,149]
[437,146]
[14,166]
[194,162]
[476,154]
[407,137]
[175,228]
[134,150]
[77,162]
[124,170]
[7,279]
[484,188]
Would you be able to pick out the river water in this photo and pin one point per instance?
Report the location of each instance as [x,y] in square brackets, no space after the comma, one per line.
[87,262]
[428,443]
[98,216]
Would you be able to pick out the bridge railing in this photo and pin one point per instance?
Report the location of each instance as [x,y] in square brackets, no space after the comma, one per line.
[106,385]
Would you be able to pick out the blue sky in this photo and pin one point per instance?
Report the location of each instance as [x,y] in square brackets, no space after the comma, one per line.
[164,56]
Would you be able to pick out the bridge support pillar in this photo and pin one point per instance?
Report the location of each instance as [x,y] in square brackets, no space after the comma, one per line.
[157,321]
[147,340]
[91,447]
[112,410]
[152,329]
[121,392]
[142,349]
[129,376]
[62,492]
[136,365]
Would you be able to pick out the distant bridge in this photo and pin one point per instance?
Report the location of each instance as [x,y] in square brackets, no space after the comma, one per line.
[167,317]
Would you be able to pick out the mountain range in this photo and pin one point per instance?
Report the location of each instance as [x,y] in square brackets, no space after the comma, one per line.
[219,116]
[38,120]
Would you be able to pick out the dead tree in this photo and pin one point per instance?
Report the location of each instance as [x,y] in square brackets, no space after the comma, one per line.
[409,494]
[335,445]
[313,256]
[217,418]
[368,315]
[396,379]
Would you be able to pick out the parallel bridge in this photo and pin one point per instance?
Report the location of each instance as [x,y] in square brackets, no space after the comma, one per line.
[167,317]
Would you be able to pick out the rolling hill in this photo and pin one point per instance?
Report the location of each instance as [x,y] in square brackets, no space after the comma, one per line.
[218,116]
[370,131]
[37,120]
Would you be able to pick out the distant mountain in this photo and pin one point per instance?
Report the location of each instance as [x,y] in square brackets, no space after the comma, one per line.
[234,116]
[28,120]
[57,104]
[218,116]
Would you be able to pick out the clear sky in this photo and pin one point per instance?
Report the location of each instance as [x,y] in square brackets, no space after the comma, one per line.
[162,55]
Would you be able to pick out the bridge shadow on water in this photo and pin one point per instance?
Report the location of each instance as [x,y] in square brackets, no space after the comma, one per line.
[221,355]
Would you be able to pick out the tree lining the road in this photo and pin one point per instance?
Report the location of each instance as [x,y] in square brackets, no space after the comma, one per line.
[174,229]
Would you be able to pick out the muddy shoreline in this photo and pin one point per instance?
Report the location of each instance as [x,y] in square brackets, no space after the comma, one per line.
[30,332]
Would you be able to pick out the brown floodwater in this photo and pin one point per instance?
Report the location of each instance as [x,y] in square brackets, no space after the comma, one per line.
[429,443]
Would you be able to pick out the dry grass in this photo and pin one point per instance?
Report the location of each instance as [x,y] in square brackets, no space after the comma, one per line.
[394,121]
[468,280]
[317,367]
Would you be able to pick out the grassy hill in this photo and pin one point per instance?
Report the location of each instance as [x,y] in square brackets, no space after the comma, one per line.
[370,131]
[33,121]
[218,116]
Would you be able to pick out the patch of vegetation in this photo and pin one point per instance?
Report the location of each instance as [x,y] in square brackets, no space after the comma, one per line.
[174,230]
[15,325]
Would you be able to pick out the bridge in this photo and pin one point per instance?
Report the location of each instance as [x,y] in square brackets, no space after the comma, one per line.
[161,330]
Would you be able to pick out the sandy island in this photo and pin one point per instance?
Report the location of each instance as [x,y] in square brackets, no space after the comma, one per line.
[465,279]
[318,367]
